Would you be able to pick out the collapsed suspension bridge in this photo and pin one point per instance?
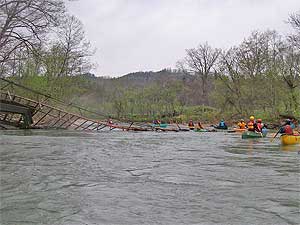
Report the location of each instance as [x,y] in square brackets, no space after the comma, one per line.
[42,111]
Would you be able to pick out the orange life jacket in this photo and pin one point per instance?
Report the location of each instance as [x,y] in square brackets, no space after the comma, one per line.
[250,125]
[242,125]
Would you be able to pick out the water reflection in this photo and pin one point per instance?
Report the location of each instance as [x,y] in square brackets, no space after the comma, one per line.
[291,148]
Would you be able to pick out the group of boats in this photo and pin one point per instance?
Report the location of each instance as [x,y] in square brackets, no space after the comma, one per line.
[285,139]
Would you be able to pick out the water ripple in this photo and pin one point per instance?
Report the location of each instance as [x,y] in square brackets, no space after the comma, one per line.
[74,178]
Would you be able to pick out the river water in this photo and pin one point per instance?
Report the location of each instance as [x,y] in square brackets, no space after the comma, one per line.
[75,178]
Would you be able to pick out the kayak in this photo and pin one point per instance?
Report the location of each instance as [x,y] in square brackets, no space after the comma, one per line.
[237,130]
[162,125]
[201,130]
[290,139]
[252,134]
[221,128]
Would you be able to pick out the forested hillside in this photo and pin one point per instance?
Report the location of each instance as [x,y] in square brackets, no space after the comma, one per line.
[50,53]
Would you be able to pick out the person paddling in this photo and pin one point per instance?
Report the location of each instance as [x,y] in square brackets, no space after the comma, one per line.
[287,128]
[222,125]
[259,125]
[242,124]
[191,125]
[200,126]
[251,124]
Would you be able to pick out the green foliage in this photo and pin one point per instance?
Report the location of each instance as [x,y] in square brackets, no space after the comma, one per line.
[259,77]
[198,113]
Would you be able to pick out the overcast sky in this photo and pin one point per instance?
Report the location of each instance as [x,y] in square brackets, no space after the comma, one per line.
[143,35]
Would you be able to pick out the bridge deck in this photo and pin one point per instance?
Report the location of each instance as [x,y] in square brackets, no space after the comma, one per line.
[46,116]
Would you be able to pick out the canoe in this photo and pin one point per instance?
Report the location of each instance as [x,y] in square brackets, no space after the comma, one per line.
[221,128]
[290,139]
[162,125]
[237,130]
[201,130]
[252,134]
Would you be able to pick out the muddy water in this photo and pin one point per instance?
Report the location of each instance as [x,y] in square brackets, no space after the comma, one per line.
[73,178]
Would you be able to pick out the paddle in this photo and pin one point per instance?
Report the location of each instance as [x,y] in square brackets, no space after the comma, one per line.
[276,134]
[179,128]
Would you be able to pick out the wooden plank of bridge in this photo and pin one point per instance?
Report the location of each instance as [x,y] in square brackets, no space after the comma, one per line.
[56,114]
[89,126]
[43,117]
[81,124]
[102,126]
[37,109]
[70,119]
[72,122]
[60,119]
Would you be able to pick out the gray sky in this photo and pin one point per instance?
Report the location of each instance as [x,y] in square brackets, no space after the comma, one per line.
[143,35]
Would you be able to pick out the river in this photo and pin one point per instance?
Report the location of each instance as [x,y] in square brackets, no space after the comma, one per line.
[76,178]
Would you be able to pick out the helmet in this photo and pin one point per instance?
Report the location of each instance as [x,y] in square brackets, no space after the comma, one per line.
[288,121]
[242,120]
[259,120]
[251,117]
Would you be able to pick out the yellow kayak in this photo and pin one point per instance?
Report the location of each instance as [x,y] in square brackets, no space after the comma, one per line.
[290,139]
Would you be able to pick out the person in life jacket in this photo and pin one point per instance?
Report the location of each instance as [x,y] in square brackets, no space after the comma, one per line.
[110,121]
[287,128]
[293,122]
[222,124]
[155,122]
[200,125]
[191,124]
[242,124]
[259,125]
[251,124]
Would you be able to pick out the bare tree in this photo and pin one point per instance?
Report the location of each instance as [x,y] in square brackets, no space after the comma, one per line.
[294,20]
[24,23]
[290,73]
[76,48]
[229,72]
[201,61]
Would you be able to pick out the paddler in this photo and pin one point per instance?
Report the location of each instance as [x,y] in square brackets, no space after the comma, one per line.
[200,126]
[110,122]
[287,128]
[222,125]
[191,124]
[242,124]
[259,125]
[251,124]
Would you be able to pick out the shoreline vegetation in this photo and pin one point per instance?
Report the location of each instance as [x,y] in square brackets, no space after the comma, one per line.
[260,76]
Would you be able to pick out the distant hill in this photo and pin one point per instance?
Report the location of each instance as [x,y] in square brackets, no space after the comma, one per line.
[146,78]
